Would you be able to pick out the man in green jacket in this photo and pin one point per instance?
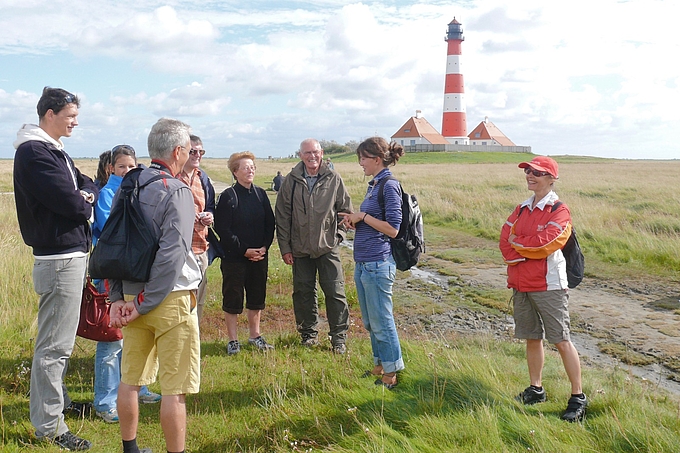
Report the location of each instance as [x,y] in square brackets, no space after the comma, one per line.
[308,231]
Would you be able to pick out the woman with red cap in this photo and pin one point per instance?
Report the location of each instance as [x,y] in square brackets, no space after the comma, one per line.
[531,243]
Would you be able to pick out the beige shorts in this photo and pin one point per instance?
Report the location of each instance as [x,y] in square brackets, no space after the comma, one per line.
[164,342]
[542,313]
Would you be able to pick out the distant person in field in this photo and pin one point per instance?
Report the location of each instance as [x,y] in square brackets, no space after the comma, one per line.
[309,233]
[55,204]
[244,221]
[531,243]
[329,163]
[375,269]
[160,326]
[204,204]
[277,181]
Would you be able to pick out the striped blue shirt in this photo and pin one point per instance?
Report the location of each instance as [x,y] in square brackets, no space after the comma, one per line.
[370,245]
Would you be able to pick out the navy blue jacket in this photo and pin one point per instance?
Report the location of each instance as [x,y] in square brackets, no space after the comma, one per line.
[53,215]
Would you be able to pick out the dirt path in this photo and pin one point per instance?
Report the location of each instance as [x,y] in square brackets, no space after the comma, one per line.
[635,317]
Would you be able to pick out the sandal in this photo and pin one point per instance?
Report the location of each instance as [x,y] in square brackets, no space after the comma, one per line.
[388,386]
[370,373]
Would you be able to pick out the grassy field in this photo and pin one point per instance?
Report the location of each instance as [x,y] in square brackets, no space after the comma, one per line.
[457,393]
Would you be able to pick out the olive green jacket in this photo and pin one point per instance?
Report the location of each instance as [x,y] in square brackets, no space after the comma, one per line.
[307,224]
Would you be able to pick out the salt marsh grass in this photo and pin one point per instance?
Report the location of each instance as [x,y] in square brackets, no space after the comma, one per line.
[457,394]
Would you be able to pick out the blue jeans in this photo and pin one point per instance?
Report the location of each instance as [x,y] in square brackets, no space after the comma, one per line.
[107,374]
[107,361]
[59,283]
[374,290]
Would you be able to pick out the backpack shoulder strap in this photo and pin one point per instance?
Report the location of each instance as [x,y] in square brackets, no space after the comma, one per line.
[555,206]
[234,196]
[381,192]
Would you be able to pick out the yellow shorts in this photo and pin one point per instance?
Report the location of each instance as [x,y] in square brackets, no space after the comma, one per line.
[166,342]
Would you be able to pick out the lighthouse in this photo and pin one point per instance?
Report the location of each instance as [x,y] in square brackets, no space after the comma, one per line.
[454,124]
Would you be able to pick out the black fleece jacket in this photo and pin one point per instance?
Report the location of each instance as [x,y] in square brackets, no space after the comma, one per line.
[53,215]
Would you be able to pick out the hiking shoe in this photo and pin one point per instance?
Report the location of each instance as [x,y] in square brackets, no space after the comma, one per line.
[576,408]
[260,343]
[309,342]
[70,441]
[149,398]
[110,416]
[233,347]
[340,348]
[531,395]
[80,410]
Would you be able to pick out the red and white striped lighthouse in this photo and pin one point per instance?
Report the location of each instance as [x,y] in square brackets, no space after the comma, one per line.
[454,123]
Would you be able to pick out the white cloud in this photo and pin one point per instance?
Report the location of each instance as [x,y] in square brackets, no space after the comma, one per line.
[589,77]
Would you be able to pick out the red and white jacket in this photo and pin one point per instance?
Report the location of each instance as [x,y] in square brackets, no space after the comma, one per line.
[534,257]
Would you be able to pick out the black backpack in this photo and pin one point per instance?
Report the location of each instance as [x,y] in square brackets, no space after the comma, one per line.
[572,255]
[127,246]
[410,241]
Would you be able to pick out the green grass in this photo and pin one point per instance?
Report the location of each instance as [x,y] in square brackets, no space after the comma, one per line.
[457,393]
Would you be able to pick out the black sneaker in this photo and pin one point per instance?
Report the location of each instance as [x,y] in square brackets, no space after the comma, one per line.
[80,410]
[531,395]
[339,348]
[70,441]
[309,342]
[576,408]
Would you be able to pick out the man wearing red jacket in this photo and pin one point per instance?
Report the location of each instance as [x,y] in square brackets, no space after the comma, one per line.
[531,243]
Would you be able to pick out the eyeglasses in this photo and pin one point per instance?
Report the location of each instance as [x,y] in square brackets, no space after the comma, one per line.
[536,173]
[193,151]
[249,168]
[310,153]
[69,99]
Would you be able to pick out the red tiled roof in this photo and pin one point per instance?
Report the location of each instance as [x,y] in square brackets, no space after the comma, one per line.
[420,127]
[488,131]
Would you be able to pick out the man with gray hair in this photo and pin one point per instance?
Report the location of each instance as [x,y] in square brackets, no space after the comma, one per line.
[309,233]
[159,318]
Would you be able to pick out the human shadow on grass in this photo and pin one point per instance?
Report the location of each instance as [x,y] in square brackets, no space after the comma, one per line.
[397,408]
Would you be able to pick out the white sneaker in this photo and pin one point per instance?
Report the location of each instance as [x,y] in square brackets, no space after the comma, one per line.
[110,416]
[149,398]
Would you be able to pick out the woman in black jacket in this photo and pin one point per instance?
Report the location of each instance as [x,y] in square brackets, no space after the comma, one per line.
[244,221]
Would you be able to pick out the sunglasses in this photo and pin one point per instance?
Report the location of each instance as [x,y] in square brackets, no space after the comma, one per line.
[193,151]
[536,173]
[119,147]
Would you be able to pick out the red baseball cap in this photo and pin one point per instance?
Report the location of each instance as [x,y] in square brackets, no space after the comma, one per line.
[542,163]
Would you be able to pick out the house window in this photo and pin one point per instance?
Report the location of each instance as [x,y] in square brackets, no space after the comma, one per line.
[402,143]
[483,143]
[413,142]
[477,135]
[406,131]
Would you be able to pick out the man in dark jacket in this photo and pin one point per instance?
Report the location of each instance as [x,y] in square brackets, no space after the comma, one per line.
[54,204]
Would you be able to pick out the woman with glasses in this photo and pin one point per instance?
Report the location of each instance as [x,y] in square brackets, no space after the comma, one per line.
[531,242]
[108,355]
[244,221]
[375,269]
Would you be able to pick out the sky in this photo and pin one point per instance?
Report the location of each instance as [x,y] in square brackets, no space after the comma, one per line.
[592,78]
